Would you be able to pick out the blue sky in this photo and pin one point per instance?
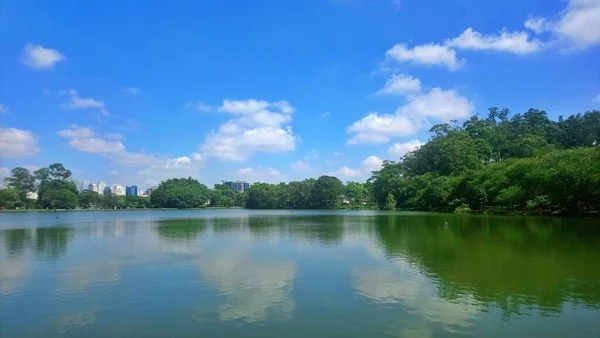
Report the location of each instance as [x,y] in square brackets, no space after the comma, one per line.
[136,92]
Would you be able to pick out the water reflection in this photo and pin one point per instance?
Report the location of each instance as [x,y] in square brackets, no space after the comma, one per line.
[393,274]
[251,289]
[513,263]
[181,229]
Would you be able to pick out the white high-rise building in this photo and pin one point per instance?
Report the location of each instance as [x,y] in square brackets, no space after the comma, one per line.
[93,187]
[101,186]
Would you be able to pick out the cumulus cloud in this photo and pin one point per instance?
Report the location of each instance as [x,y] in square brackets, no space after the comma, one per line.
[85,139]
[379,128]
[300,166]
[146,166]
[444,105]
[372,163]
[426,55]
[346,172]
[398,150]
[257,126]
[260,174]
[38,57]
[76,102]
[17,143]
[576,27]
[400,84]
[435,103]
[515,42]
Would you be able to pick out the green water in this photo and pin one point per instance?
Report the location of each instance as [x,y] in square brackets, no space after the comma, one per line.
[237,273]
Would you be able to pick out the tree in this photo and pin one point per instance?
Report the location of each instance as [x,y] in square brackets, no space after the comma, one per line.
[327,192]
[55,191]
[22,181]
[89,199]
[390,202]
[180,193]
[9,199]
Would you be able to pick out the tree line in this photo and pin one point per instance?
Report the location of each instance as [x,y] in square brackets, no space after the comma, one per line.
[56,190]
[501,163]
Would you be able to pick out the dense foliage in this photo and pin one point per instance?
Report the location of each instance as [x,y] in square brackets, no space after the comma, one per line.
[527,162]
[180,193]
[326,192]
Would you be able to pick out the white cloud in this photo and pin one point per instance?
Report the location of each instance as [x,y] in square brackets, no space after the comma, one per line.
[426,55]
[131,90]
[17,143]
[245,107]
[516,42]
[2,109]
[38,57]
[113,173]
[538,25]
[198,106]
[376,128]
[576,27]
[401,84]
[146,167]
[444,105]
[254,129]
[346,172]
[398,150]
[76,102]
[300,166]
[372,163]
[260,174]
[84,139]
[114,136]
[325,115]
[197,157]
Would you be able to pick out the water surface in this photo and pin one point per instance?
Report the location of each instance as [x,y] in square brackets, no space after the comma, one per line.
[238,273]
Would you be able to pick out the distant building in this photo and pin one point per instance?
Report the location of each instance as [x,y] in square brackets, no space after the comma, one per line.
[101,186]
[107,191]
[118,190]
[149,190]
[93,187]
[78,184]
[239,186]
[32,195]
[140,193]
[131,191]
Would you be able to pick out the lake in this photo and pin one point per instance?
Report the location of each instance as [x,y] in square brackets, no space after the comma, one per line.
[240,273]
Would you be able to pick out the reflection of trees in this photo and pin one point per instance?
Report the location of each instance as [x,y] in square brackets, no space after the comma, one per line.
[181,229]
[52,242]
[46,242]
[16,240]
[512,262]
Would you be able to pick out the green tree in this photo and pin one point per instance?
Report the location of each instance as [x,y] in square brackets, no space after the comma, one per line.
[180,193]
[327,192]
[55,191]
[390,202]
[9,199]
[22,181]
[89,199]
